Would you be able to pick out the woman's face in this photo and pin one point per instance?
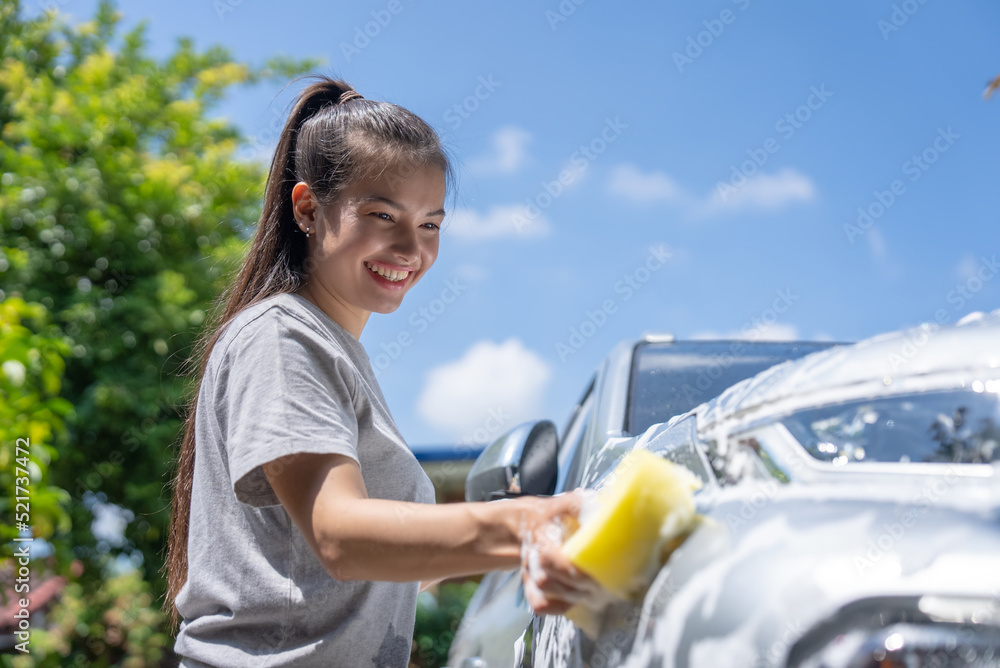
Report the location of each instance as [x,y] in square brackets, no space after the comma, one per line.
[373,244]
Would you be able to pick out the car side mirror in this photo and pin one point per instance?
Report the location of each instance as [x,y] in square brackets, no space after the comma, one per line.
[523,461]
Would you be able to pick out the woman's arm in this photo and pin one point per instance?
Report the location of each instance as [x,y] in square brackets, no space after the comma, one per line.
[358,538]
[427,584]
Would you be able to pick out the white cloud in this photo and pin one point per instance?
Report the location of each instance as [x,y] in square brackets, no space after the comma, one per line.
[510,220]
[471,272]
[492,388]
[876,242]
[630,182]
[573,173]
[967,267]
[775,331]
[509,151]
[880,254]
[762,192]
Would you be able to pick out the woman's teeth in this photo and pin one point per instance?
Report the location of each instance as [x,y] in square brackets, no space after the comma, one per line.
[390,274]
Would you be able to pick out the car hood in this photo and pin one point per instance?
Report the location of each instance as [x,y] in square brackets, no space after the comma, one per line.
[771,561]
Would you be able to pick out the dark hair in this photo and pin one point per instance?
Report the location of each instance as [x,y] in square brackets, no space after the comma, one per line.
[329,142]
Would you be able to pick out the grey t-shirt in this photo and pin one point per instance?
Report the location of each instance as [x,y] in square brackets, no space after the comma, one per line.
[285,378]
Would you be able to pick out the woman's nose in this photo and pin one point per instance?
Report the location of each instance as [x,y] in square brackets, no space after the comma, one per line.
[405,242]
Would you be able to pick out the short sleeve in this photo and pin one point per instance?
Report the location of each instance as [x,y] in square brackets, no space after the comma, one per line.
[287,390]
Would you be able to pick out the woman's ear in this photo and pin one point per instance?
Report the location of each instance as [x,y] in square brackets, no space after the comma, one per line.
[305,208]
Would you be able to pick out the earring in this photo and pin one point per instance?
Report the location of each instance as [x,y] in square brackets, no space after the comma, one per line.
[307,232]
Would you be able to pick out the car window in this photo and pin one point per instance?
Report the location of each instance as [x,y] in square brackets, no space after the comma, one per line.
[569,450]
[574,416]
[955,426]
[672,378]
[676,441]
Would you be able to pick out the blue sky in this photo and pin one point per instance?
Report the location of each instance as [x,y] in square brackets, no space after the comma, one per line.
[692,168]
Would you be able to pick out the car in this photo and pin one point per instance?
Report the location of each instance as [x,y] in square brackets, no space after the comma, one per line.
[640,383]
[850,517]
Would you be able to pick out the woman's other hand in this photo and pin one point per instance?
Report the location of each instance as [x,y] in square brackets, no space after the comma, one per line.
[552,584]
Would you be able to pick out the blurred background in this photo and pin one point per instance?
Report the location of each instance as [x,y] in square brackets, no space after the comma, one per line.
[732,168]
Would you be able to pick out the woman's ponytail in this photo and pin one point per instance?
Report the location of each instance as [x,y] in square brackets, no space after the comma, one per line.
[275,262]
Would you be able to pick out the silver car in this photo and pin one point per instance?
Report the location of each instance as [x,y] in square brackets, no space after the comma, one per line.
[640,383]
[851,518]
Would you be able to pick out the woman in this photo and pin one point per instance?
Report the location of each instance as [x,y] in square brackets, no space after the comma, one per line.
[302,523]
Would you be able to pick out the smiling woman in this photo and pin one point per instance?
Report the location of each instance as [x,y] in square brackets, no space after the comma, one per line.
[373,244]
[302,523]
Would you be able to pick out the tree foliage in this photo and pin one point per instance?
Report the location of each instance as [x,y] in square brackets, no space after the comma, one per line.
[123,209]
[437,620]
[31,421]
[117,624]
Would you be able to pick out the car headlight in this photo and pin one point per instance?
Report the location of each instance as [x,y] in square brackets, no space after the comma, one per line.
[925,632]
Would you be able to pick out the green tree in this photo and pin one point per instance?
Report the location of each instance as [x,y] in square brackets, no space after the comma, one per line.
[439,613]
[31,422]
[123,210]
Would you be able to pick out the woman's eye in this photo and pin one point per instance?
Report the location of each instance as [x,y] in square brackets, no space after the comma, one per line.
[432,226]
[383,215]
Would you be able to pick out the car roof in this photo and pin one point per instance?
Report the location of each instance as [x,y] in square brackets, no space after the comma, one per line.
[930,356]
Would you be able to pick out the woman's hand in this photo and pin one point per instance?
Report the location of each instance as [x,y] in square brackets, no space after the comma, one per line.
[552,584]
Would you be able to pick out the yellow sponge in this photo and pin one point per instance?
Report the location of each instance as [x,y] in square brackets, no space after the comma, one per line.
[647,506]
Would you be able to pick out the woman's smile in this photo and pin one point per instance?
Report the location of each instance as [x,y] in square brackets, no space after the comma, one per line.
[390,276]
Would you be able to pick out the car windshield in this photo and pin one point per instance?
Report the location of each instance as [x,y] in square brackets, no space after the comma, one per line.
[672,378]
[959,426]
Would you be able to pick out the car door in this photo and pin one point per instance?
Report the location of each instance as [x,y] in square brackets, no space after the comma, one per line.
[498,613]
